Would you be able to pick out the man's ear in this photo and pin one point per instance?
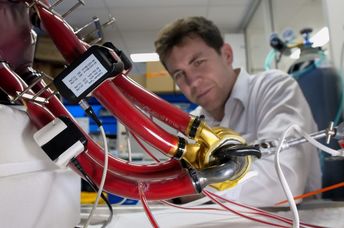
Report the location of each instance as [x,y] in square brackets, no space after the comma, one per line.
[227,53]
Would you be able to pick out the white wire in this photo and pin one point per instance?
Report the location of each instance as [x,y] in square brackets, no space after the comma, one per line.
[284,183]
[282,179]
[279,170]
[127,135]
[318,144]
[101,186]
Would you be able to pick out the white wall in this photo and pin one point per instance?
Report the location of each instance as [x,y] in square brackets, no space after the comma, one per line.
[257,36]
[333,10]
[237,41]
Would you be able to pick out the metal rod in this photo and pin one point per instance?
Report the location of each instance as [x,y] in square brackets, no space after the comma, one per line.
[80,2]
[42,90]
[28,88]
[55,4]
[109,22]
[88,24]
[40,100]
[268,148]
[315,135]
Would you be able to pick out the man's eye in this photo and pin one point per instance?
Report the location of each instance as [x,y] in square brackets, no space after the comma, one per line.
[178,75]
[198,62]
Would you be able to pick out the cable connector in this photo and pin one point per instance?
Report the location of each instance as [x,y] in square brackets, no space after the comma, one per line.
[61,140]
[89,111]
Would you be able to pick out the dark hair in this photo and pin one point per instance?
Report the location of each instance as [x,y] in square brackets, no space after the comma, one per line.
[174,33]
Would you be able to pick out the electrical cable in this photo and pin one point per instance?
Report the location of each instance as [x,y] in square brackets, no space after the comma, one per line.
[261,212]
[204,199]
[146,207]
[144,148]
[283,181]
[109,219]
[255,211]
[258,211]
[315,143]
[312,193]
[226,152]
[141,144]
[130,156]
[212,197]
[95,188]
[318,144]
[89,111]
[190,208]
[102,182]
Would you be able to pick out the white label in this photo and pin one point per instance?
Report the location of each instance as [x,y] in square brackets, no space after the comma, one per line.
[83,76]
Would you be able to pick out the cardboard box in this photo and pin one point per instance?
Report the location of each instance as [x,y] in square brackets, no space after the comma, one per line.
[157,78]
[139,78]
[47,51]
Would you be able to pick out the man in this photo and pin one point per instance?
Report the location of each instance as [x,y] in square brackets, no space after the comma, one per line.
[259,107]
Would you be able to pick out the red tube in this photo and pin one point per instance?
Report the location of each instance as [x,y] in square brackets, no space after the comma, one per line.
[168,168]
[61,33]
[153,104]
[156,189]
[10,82]
[38,114]
[71,47]
[144,202]
[64,32]
[164,180]
[167,184]
[111,98]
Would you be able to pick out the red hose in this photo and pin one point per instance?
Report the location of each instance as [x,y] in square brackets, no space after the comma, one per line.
[153,104]
[164,180]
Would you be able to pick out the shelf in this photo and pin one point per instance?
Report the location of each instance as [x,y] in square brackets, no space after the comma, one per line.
[110,122]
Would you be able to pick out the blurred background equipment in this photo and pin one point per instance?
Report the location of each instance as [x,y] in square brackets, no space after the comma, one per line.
[322,86]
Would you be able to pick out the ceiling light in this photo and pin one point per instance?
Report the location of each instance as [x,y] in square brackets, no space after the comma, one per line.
[320,38]
[144,57]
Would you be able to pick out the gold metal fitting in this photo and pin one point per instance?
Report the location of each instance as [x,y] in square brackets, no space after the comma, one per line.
[207,140]
[245,167]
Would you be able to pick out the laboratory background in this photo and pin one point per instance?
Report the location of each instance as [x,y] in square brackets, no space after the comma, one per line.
[120,149]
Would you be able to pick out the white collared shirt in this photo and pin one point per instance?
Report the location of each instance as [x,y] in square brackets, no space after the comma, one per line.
[261,107]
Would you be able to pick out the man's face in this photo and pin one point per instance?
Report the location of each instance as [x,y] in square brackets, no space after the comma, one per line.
[203,75]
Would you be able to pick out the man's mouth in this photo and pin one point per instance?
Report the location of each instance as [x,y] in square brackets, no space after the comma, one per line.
[203,93]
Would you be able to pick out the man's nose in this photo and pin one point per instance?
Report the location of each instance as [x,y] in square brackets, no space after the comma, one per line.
[193,78]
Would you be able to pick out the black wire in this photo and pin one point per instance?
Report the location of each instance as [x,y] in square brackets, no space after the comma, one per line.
[245,152]
[227,152]
[95,188]
[90,112]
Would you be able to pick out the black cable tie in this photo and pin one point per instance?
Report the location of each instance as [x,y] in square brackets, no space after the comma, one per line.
[195,124]
[181,148]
